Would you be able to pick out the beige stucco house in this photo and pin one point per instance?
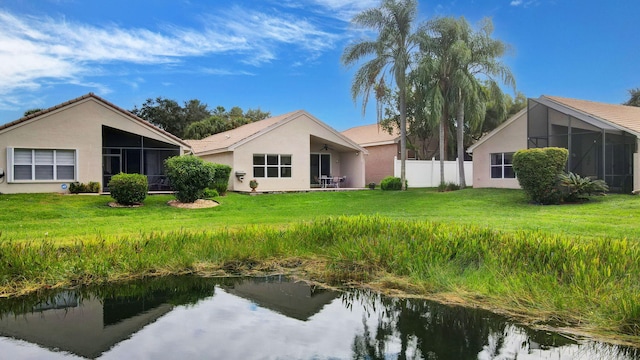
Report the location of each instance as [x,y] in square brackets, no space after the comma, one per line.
[82,140]
[602,139]
[290,152]
[382,148]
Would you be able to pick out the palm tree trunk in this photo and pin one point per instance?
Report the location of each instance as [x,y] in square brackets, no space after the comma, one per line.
[442,143]
[460,139]
[403,131]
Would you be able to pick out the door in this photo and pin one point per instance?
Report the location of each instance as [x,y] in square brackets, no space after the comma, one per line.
[320,166]
[111,165]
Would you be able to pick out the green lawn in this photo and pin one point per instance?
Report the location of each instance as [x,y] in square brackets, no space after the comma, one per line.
[51,216]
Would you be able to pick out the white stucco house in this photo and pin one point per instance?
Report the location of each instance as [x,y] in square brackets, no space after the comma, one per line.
[602,139]
[82,140]
[289,152]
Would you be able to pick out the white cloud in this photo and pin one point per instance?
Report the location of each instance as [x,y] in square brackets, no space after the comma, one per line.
[34,50]
[523,3]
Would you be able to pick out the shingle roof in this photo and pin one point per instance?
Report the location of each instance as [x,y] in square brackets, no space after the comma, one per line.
[627,117]
[96,97]
[370,135]
[226,139]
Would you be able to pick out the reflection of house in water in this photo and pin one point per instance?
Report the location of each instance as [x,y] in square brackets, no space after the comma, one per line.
[296,300]
[87,328]
[88,323]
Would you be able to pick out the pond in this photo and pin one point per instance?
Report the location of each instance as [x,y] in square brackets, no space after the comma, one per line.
[266,318]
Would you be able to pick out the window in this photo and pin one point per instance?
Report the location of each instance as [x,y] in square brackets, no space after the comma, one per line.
[42,164]
[502,166]
[271,165]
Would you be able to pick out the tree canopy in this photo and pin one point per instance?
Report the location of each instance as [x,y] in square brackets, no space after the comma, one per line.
[195,120]
[634,97]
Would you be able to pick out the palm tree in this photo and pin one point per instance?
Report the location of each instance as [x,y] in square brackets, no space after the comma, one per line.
[453,56]
[441,47]
[480,60]
[391,52]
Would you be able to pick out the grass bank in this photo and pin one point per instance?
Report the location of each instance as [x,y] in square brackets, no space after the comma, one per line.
[573,266]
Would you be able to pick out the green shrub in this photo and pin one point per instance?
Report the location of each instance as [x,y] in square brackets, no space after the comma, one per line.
[128,189]
[448,186]
[538,170]
[575,188]
[210,193]
[90,187]
[221,178]
[391,183]
[189,176]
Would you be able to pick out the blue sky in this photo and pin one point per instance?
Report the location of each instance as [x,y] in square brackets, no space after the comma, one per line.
[284,55]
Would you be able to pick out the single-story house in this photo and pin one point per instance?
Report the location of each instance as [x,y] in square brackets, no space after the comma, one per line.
[602,140]
[82,140]
[290,152]
[382,148]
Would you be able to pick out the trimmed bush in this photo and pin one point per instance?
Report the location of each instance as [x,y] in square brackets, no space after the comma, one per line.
[210,193]
[221,178]
[90,187]
[391,183]
[189,176]
[128,189]
[538,171]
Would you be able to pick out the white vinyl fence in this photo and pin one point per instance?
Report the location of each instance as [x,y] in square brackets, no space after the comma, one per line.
[426,173]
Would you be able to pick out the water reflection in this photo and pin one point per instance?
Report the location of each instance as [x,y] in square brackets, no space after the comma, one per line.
[265,318]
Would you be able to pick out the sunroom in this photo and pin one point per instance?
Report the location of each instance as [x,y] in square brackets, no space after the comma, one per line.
[598,148]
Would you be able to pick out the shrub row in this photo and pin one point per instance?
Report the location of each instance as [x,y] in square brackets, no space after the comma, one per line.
[90,187]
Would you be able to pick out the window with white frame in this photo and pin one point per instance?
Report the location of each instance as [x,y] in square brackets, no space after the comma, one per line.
[502,166]
[271,166]
[41,164]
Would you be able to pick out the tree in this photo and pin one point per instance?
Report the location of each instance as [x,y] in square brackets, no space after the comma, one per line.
[634,97]
[441,47]
[453,57]
[194,120]
[32,111]
[480,59]
[391,52]
[164,113]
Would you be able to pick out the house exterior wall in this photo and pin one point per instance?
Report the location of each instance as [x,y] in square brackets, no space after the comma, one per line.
[511,138]
[299,138]
[78,127]
[379,162]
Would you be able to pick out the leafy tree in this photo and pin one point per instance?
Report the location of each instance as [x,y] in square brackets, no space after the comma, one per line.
[391,55]
[166,114]
[32,111]
[634,97]
[194,120]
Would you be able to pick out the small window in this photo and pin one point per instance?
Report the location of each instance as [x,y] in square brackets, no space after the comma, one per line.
[42,164]
[502,166]
[271,166]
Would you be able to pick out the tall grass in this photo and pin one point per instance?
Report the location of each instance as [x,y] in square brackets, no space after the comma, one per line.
[590,282]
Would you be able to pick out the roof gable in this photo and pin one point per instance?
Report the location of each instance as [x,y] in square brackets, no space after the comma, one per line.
[229,140]
[497,130]
[91,96]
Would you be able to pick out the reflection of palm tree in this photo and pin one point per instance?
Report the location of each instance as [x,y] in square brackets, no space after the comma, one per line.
[425,329]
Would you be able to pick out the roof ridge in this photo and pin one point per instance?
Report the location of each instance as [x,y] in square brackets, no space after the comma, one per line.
[98,98]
